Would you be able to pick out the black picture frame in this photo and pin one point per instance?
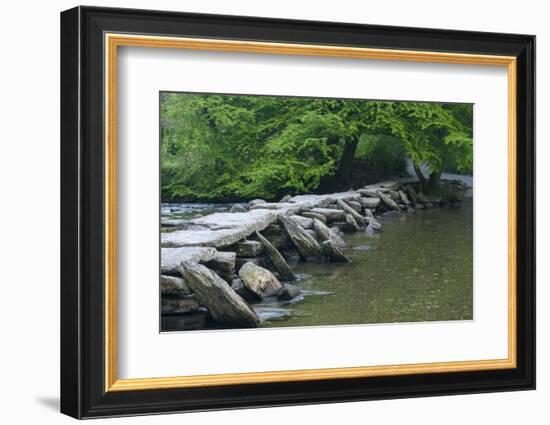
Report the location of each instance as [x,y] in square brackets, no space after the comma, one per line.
[83,392]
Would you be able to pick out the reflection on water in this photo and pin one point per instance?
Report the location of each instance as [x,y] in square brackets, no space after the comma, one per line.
[418,269]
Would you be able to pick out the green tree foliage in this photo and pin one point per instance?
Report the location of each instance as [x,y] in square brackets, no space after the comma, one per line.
[222,147]
[438,135]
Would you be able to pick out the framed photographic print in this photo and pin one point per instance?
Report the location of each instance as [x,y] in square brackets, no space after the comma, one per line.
[261,212]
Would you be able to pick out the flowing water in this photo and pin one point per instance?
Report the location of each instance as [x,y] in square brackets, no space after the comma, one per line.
[419,268]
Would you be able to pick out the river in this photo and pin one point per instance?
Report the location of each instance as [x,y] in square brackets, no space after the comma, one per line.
[419,268]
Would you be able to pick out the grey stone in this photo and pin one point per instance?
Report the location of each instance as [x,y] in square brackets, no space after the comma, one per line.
[259,281]
[237,208]
[390,184]
[334,252]
[279,241]
[241,261]
[311,214]
[358,218]
[238,286]
[276,258]
[256,202]
[220,229]
[403,197]
[289,291]
[174,222]
[172,285]
[306,245]
[355,205]
[330,214]
[178,305]
[223,303]
[285,208]
[395,195]
[223,264]
[374,223]
[248,248]
[352,224]
[305,222]
[170,258]
[369,193]
[312,233]
[370,202]
[325,234]
[388,201]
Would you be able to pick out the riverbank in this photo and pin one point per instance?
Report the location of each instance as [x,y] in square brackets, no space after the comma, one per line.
[235,269]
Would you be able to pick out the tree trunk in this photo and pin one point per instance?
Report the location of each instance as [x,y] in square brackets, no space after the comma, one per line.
[435,180]
[345,163]
[420,176]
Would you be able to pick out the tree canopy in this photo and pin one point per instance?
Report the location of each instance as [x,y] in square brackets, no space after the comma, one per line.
[228,147]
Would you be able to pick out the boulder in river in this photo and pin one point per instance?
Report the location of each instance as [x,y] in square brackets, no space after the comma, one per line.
[331,214]
[238,286]
[324,233]
[223,303]
[388,201]
[311,214]
[395,195]
[248,248]
[334,252]
[172,285]
[286,198]
[369,192]
[306,245]
[349,210]
[237,208]
[256,202]
[374,223]
[403,197]
[223,264]
[390,184]
[289,291]
[352,224]
[305,222]
[277,260]
[259,281]
[370,202]
[356,205]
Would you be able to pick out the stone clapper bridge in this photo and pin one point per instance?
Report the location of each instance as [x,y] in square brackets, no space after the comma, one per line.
[215,269]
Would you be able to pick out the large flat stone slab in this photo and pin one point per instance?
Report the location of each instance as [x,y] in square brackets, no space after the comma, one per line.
[324,200]
[221,229]
[287,208]
[171,258]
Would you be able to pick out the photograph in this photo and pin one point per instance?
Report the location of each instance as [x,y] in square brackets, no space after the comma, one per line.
[345,207]
[286,211]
